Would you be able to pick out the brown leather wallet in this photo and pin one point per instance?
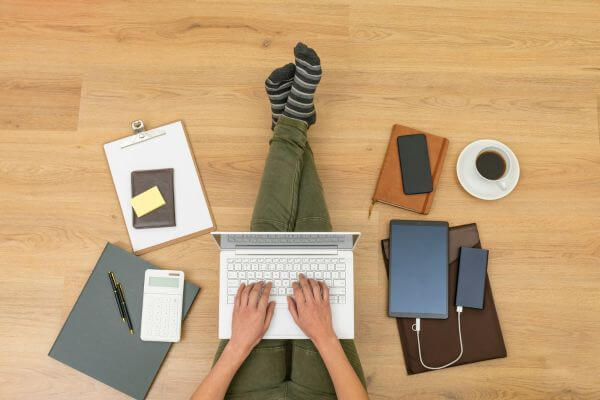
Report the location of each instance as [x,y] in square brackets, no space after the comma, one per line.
[144,180]
[482,336]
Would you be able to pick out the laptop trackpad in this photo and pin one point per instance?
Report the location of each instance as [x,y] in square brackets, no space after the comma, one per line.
[283,326]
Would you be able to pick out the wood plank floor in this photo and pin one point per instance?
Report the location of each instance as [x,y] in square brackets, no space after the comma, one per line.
[74,73]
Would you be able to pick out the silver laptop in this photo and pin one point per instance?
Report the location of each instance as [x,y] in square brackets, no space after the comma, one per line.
[279,257]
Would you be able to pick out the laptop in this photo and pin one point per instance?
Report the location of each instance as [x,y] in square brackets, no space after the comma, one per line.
[279,257]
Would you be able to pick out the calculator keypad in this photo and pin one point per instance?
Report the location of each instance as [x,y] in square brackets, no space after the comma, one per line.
[161,316]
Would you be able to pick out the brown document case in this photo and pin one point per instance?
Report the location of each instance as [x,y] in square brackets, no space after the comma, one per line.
[482,336]
[389,185]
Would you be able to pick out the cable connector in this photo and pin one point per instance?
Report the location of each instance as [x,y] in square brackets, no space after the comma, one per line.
[416,327]
[459,309]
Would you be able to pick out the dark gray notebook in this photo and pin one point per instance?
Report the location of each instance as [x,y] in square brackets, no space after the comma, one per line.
[94,339]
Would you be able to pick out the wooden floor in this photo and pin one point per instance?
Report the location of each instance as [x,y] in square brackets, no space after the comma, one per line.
[73,74]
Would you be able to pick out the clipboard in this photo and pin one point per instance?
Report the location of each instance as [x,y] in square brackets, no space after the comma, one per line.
[167,146]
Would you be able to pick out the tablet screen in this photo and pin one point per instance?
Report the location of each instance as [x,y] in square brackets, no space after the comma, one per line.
[418,285]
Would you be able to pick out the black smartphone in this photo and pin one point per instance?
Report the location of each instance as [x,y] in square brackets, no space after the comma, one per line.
[414,164]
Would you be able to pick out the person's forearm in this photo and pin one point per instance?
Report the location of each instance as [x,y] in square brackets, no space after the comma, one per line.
[346,382]
[215,385]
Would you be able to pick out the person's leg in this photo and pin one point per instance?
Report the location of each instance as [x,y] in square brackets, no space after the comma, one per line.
[309,371]
[310,378]
[263,374]
[277,202]
[312,214]
[275,210]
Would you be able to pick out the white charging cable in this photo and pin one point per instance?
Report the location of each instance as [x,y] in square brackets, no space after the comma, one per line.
[417,328]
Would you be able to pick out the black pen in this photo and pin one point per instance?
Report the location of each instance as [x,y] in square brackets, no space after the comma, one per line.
[124,305]
[113,283]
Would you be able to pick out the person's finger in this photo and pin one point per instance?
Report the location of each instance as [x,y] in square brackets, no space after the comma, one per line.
[245,294]
[263,302]
[325,290]
[316,290]
[293,309]
[254,293]
[298,294]
[238,295]
[308,296]
[269,316]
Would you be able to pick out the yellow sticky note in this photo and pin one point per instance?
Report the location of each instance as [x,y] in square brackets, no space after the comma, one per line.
[147,201]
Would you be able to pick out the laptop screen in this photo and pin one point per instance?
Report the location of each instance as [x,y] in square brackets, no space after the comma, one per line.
[418,285]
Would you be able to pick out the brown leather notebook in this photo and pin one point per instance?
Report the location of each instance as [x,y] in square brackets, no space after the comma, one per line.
[144,180]
[389,185]
[482,336]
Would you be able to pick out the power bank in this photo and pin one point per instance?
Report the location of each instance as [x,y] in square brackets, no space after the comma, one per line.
[472,270]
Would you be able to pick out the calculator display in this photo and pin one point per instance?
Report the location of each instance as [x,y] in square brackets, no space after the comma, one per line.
[161,281]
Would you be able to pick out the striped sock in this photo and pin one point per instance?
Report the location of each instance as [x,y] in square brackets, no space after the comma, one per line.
[308,75]
[278,86]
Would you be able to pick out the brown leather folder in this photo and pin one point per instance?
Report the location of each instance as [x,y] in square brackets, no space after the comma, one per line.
[389,185]
[144,180]
[482,336]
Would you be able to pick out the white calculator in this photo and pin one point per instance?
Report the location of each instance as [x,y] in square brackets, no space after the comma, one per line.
[162,306]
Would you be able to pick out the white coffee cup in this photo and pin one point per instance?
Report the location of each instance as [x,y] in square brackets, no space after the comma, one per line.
[502,180]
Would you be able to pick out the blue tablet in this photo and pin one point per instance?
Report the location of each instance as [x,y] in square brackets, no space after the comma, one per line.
[418,284]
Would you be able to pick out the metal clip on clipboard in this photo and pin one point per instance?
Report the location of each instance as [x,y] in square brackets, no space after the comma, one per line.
[141,135]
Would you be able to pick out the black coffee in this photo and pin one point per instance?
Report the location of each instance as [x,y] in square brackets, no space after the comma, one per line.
[491,165]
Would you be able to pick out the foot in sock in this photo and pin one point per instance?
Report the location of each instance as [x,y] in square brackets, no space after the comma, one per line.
[299,103]
[278,86]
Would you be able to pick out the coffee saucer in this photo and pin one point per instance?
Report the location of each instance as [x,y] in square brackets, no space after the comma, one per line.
[477,186]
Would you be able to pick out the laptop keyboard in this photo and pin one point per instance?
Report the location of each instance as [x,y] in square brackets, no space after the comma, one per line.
[282,271]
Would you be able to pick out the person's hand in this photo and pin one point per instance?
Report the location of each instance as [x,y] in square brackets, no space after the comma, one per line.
[252,314]
[310,309]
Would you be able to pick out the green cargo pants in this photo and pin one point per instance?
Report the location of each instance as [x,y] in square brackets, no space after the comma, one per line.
[290,198]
